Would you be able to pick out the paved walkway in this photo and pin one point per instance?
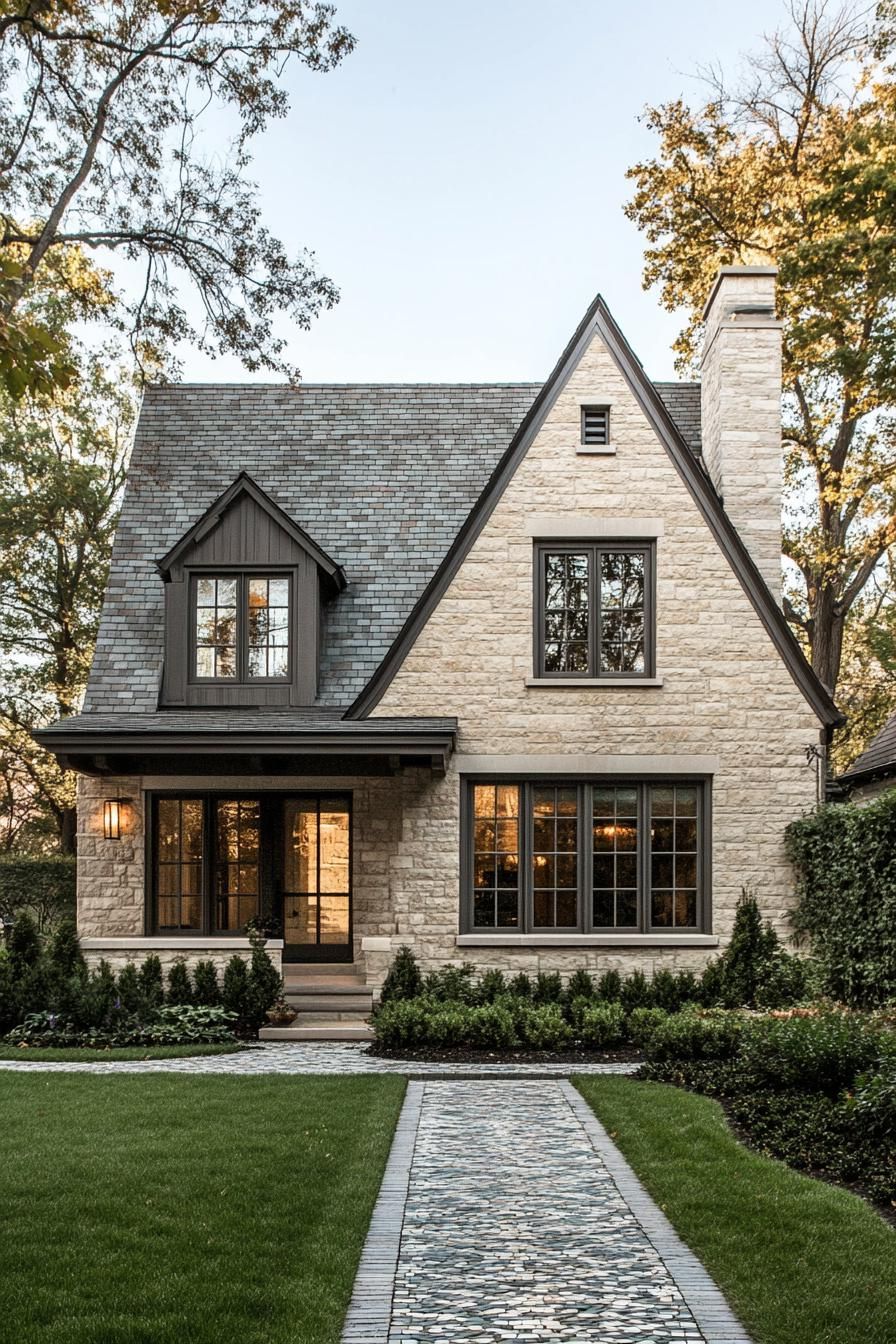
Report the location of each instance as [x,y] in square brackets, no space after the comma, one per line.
[315,1058]
[507,1214]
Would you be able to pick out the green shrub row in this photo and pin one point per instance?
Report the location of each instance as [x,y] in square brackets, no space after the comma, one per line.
[817,1091]
[46,982]
[178,1024]
[506,1023]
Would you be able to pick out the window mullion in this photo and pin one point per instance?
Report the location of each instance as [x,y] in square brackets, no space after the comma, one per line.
[525,874]
[595,611]
[586,826]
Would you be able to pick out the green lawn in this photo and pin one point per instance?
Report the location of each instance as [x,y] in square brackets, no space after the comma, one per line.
[159,1209]
[801,1262]
[87,1055]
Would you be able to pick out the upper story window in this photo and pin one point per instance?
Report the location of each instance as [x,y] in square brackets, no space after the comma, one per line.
[241,627]
[594,615]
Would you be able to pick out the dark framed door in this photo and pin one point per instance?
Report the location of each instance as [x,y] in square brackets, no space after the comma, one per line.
[316,877]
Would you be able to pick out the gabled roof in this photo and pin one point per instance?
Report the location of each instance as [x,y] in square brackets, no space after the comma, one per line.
[878,759]
[598,321]
[380,476]
[245,487]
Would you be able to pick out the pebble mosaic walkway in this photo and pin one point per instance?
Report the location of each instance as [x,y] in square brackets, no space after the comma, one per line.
[507,1214]
[332,1058]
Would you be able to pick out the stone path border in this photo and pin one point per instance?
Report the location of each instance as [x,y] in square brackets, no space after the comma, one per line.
[369,1315]
[717,1322]
[370,1309]
[315,1058]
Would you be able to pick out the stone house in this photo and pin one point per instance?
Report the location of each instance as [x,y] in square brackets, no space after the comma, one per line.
[498,671]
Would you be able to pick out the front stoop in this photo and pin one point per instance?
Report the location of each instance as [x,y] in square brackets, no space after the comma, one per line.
[333,1003]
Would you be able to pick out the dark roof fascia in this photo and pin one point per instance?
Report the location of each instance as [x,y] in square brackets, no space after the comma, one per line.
[850,778]
[282,742]
[599,321]
[244,485]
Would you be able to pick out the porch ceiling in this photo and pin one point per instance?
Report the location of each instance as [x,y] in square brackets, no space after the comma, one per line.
[247,742]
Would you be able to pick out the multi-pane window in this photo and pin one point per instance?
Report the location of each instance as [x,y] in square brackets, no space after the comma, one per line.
[624,856]
[237,844]
[216,624]
[179,863]
[268,620]
[241,627]
[317,871]
[555,857]
[496,855]
[594,616]
[614,865]
[674,819]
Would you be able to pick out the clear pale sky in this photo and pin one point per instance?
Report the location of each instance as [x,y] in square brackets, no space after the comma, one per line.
[461,178]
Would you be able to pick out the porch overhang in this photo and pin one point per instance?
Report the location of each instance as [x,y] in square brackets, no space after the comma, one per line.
[247,743]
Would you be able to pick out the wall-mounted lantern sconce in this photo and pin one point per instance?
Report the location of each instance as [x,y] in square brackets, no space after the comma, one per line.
[112,810]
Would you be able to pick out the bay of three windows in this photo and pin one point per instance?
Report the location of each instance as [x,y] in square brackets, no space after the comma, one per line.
[586,857]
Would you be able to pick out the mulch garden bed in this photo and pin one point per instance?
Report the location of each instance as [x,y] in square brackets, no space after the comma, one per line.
[465,1055]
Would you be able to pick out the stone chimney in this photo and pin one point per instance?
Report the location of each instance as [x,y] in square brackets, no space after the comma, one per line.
[740,396]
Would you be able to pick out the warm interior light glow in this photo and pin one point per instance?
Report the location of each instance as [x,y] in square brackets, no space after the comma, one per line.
[112,818]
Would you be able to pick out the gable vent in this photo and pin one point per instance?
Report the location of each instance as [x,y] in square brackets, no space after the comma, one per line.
[595,426]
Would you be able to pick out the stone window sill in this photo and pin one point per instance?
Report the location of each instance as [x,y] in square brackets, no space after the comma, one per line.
[586,940]
[596,450]
[576,683]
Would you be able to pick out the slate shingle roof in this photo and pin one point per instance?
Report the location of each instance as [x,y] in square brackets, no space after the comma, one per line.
[879,757]
[381,476]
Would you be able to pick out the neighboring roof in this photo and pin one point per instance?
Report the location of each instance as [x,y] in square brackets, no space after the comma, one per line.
[380,476]
[878,758]
[598,321]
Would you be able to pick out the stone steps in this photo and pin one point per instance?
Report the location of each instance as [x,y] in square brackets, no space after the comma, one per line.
[332,1000]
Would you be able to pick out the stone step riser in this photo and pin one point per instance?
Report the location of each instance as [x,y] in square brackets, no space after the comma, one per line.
[314,988]
[347,1003]
[333,1031]
[302,970]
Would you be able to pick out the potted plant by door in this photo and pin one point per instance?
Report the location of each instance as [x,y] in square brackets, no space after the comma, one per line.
[281,1013]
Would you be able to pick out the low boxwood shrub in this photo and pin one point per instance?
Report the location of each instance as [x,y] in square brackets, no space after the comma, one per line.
[824,1053]
[695,1036]
[642,1023]
[492,1027]
[603,1026]
[544,1027]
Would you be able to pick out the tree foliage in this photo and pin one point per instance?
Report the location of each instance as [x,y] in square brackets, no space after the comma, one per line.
[795,164]
[63,459]
[101,113]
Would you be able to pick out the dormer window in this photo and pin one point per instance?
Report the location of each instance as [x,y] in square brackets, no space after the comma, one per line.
[241,627]
[245,593]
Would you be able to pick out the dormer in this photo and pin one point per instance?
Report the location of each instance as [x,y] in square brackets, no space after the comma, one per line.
[244,591]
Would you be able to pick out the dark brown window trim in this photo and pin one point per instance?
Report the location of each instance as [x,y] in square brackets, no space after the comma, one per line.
[594,549]
[525,925]
[242,577]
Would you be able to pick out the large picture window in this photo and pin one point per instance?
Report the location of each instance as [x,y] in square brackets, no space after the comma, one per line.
[587,856]
[594,610]
[206,864]
[240,627]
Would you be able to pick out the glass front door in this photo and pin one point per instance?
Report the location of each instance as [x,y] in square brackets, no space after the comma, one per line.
[317,903]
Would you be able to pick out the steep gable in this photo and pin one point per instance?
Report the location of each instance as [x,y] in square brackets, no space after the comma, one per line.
[598,329]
